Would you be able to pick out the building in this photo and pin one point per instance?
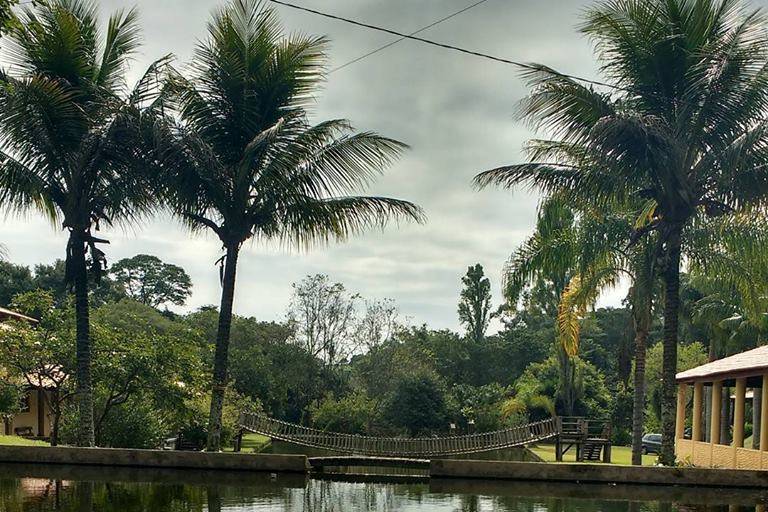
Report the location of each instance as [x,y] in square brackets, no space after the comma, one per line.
[741,372]
[34,420]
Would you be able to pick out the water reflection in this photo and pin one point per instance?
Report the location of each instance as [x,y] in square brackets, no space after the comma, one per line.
[39,489]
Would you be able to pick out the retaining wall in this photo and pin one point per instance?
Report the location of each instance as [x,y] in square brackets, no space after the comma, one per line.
[153,459]
[533,471]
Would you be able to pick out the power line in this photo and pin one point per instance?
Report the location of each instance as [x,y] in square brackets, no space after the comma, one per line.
[392,43]
[447,46]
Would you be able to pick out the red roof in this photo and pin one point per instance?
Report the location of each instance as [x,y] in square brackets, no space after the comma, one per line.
[751,362]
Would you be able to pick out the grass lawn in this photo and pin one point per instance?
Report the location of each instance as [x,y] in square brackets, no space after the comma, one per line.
[619,455]
[252,443]
[20,441]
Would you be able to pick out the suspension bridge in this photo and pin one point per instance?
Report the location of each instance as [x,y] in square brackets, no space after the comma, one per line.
[400,447]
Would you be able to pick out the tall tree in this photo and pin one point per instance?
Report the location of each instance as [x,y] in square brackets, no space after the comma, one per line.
[149,280]
[69,133]
[323,318]
[475,303]
[246,163]
[682,127]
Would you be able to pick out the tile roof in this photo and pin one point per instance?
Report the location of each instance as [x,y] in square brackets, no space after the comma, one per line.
[747,362]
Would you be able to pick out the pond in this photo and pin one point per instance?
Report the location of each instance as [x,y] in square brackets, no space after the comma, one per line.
[81,489]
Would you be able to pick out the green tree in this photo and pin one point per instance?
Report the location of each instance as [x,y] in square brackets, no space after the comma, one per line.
[147,279]
[475,303]
[42,354]
[69,130]
[352,414]
[418,405]
[247,164]
[682,128]
[323,318]
[140,355]
[14,279]
[52,277]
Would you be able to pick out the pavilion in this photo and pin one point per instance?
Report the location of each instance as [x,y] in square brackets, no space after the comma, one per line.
[747,370]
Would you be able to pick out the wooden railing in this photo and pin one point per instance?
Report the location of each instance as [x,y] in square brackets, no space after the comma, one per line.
[574,427]
[400,446]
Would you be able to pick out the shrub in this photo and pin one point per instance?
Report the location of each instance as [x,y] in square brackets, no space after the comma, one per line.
[134,424]
[352,414]
[418,405]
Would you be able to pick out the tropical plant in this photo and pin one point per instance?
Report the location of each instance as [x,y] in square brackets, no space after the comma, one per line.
[69,133]
[682,128]
[245,163]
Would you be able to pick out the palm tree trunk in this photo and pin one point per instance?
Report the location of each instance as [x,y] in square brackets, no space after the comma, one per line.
[638,406]
[79,275]
[757,398]
[725,417]
[669,359]
[221,357]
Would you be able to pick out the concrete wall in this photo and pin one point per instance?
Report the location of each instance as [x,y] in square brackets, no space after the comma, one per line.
[533,471]
[153,458]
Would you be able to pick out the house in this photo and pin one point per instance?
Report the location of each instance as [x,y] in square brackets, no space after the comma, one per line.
[34,420]
[743,372]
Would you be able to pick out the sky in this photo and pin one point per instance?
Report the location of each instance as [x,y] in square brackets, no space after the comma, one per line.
[457,112]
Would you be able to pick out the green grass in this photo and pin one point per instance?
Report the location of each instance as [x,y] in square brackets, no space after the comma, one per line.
[621,455]
[252,443]
[20,441]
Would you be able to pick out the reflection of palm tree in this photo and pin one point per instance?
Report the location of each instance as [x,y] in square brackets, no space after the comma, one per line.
[84,496]
[213,497]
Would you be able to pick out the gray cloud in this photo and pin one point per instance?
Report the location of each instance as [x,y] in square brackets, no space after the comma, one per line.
[457,112]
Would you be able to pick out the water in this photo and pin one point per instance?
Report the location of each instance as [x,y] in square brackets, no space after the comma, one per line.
[72,489]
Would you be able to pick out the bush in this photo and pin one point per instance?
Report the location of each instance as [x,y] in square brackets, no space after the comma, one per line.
[352,414]
[195,425]
[10,399]
[418,405]
[134,424]
[482,404]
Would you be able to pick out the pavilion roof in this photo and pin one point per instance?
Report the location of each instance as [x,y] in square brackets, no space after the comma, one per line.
[744,364]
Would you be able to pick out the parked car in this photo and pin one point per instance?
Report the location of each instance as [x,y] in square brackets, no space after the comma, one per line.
[651,443]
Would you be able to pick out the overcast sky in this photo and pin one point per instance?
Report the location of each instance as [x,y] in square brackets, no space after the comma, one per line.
[457,112]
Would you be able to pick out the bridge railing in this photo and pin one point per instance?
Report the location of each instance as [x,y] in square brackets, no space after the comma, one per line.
[399,446]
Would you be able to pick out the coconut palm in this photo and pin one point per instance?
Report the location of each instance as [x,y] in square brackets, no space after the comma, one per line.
[245,163]
[69,133]
[682,127]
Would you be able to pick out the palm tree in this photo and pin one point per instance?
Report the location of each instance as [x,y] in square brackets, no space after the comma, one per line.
[681,127]
[245,163]
[582,253]
[69,135]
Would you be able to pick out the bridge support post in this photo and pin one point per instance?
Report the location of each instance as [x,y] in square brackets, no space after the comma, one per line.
[558,439]
[607,452]
[238,441]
